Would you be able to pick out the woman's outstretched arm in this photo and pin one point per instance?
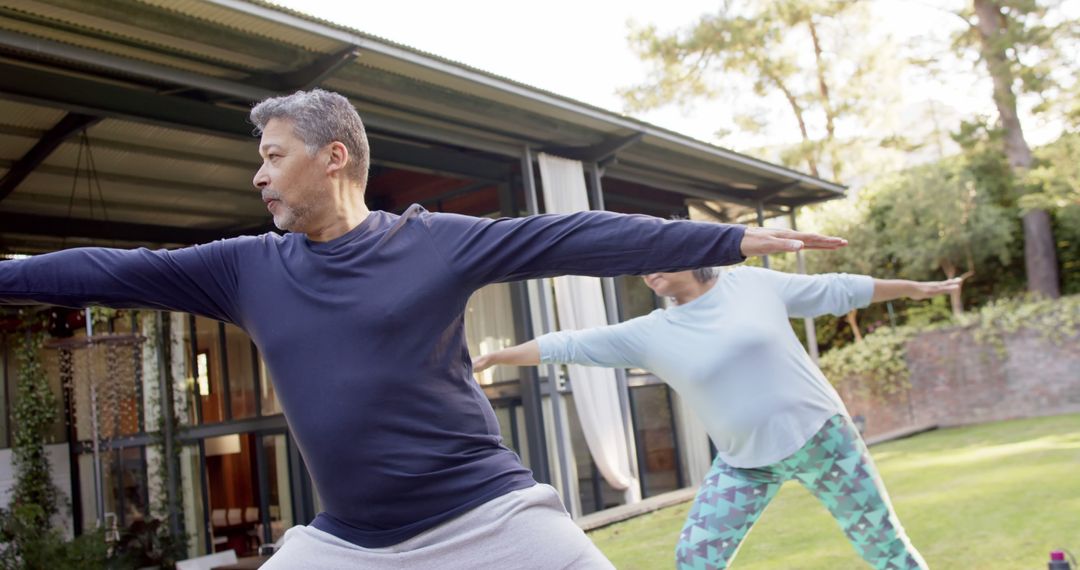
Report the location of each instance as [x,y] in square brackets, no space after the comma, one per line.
[889,289]
[616,346]
[525,354]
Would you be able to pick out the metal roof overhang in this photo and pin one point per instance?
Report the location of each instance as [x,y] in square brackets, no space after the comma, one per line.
[163,88]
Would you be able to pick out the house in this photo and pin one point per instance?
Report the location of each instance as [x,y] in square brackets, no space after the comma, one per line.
[124,124]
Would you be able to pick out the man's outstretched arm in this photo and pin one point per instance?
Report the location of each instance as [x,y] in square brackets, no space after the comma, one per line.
[600,244]
[200,279]
[768,241]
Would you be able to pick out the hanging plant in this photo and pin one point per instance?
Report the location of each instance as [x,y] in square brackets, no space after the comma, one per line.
[35,414]
[26,532]
[165,440]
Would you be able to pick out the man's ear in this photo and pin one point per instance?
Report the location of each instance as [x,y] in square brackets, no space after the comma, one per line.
[338,158]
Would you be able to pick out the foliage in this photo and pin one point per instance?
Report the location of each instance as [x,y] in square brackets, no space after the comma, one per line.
[147,543]
[1054,180]
[26,532]
[1056,320]
[1054,184]
[28,546]
[161,544]
[879,365]
[779,52]
[878,362]
[34,415]
[925,223]
[1037,41]
[933,219]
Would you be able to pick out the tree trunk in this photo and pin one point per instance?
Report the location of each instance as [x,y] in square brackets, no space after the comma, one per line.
[1040,256]
[826,101]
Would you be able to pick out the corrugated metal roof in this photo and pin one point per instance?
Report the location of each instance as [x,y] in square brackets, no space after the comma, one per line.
[211,56]
[18,114]
[161,141]
[111,47]
[137,33]
[248,24]
[16,144]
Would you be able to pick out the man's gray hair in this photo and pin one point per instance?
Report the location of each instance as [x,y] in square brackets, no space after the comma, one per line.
[320,118]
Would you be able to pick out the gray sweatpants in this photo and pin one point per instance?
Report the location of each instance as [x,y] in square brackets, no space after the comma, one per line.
[527,529]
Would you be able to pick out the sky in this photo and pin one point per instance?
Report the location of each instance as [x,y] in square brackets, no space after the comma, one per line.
[579,49]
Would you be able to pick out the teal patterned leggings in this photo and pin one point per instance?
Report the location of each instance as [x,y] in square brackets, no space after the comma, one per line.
[835,466]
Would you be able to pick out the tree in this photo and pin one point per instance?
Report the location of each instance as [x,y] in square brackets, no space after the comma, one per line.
[1020,44]
[785,48]
[934,218]
[1055,179]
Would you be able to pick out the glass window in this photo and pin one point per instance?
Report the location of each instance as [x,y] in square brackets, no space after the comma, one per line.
[267,398]
[511,418]
[241,372]
[122,486]
[654,430]
[130,488]
[232,477]
[208,370]
[235,359]
[280,503]
[635,298]
[191,474]
[596,493]
[489,326]
[104,387]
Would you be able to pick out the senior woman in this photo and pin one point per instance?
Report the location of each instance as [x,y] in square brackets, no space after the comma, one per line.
[729,350]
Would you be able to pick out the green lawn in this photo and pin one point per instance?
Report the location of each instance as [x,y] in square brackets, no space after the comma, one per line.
[995,496]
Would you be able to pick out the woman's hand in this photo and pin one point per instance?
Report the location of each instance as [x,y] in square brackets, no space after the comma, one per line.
[482,363]
[926,289]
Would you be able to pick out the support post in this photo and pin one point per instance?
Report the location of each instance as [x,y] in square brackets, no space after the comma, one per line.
[621,383]
[811,331]
[761,223]
[562,444]
[532,400]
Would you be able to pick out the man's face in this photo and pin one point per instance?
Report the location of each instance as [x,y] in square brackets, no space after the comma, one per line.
[294,185]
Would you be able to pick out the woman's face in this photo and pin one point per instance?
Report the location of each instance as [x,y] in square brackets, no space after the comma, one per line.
[669,284]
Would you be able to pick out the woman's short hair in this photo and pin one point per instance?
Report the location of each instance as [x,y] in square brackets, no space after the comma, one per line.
[704,275]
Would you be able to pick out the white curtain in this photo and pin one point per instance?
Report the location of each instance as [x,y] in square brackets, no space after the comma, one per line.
[580,304]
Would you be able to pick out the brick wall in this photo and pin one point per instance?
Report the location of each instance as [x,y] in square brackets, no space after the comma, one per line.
[956,380]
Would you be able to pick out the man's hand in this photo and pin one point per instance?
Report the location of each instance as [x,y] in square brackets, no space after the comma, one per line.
[765,241]
[927,289]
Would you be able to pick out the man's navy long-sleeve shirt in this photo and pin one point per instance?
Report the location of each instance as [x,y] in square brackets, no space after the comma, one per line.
[363,336]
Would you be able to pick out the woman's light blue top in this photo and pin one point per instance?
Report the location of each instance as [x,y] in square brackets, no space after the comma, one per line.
[732,355]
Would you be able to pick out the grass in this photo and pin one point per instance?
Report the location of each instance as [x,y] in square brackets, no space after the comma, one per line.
[994,496]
